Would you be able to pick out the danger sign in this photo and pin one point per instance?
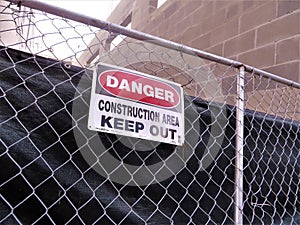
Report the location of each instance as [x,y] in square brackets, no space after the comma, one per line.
[134,104]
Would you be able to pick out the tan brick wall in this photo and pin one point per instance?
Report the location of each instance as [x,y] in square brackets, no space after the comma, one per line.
[264,34]
[282,102]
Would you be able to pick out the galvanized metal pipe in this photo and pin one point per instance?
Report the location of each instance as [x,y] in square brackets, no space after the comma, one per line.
[239,145]
[41,6]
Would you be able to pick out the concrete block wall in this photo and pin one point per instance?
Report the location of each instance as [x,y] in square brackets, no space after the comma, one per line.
[264,34]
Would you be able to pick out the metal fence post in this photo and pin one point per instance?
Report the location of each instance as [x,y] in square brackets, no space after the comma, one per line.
[239,135]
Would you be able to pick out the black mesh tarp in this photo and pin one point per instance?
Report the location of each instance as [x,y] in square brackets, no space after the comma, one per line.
[45,180]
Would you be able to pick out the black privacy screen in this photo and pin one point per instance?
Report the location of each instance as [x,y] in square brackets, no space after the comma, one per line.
[44,178]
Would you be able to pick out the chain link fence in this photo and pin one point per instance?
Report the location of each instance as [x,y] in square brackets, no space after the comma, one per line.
[272,142]
[54,170]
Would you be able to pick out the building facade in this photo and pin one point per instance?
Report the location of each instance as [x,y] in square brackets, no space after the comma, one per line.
[264,34]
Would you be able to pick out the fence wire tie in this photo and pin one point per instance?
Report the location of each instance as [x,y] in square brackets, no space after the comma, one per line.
[19,4]
[6,7]
[189,82]
[253,203]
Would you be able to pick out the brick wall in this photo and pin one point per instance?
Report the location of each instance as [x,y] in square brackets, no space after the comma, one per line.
[264,34]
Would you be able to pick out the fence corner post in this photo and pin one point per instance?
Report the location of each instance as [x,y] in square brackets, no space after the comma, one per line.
[239,143]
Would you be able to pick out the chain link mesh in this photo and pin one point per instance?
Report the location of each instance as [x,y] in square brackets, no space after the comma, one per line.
[45,91]
[272,146]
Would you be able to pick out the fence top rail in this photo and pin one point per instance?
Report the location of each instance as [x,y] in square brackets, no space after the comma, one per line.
[41,6]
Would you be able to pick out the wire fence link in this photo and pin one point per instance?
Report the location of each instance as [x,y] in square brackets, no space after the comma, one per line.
[272,145]
[54,170]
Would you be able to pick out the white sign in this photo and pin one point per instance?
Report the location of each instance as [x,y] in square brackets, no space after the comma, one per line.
[130,103]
